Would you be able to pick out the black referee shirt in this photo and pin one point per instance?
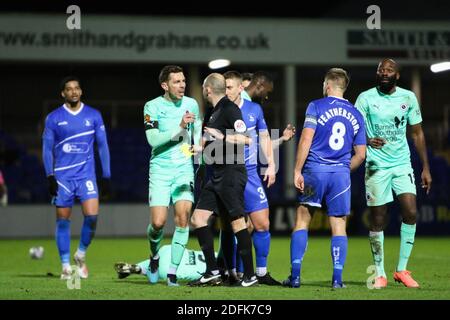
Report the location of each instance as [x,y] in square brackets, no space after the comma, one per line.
[226,117]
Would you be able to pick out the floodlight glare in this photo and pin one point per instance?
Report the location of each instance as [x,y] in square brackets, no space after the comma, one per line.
[219,63]
[441,66]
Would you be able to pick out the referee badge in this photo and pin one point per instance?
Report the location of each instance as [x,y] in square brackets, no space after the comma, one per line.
[239,126]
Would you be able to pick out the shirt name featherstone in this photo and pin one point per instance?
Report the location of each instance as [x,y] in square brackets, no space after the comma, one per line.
[339,112]
[205,311]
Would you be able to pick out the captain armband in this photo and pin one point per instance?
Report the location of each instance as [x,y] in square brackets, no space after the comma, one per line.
[149,123]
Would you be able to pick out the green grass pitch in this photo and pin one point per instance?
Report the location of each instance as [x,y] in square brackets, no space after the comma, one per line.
[24,278]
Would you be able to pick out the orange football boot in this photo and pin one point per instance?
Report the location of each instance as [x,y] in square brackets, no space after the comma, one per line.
[380,282]
[405,278]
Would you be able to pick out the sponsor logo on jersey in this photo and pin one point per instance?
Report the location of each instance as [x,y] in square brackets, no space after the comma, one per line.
[87,123]
[399,122]
[404,107]
[63,123]
[77,147]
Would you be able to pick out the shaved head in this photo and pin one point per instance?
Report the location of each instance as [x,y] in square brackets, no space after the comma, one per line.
[391,62]
[387,75]
[216,82]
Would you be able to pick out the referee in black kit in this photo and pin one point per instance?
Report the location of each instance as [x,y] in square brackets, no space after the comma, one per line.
[224,193]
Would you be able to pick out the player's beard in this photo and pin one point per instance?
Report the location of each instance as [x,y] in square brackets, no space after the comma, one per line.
[387,86]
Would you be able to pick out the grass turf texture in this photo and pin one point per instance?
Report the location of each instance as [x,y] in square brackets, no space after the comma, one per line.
[24,278]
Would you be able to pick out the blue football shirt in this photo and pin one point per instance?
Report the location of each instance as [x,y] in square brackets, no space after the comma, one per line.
[338,126]
[73,135]
[253,116]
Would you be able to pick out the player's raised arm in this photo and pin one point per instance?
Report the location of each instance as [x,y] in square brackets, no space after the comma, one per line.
[288,134]
[238,138]
[231,137]
[157,138]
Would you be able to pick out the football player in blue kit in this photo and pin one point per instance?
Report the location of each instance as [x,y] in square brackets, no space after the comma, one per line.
[68,155]
[255,199]
[332,128]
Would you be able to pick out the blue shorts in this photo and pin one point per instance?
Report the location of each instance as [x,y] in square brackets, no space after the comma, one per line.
[68,190]
[334,187]
[255,198]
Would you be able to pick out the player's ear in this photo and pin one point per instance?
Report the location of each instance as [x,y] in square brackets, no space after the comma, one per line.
[397,76]
[62,94]
[81,92]
[165,86]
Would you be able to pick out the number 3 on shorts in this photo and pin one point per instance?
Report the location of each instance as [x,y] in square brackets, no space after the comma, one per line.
[261,192]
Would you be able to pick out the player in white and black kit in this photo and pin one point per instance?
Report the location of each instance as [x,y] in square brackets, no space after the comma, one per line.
[224,192]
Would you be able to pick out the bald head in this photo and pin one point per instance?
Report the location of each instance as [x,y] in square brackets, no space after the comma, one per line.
[388,62]
[214,88]
[387,75]
[216,83]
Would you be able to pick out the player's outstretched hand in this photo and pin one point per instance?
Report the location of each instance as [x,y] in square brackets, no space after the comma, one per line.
[52,185]
[426,180]
[289,132]
[105,188]
[376,142]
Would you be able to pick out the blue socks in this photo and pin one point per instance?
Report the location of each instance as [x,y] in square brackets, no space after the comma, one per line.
[299,242]
[62,235]
[338,256]
[87,232]
[261,242]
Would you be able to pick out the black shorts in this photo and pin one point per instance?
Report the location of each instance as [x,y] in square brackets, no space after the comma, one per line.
[224,192]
